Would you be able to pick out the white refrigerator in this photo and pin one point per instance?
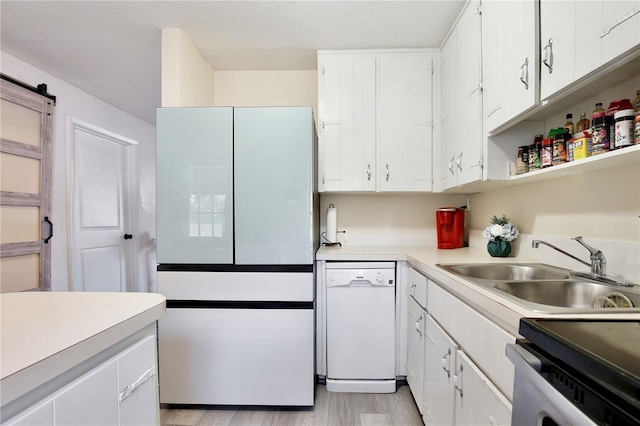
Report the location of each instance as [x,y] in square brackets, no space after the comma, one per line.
[237,232]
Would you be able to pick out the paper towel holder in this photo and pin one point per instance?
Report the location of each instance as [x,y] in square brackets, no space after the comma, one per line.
[331,228]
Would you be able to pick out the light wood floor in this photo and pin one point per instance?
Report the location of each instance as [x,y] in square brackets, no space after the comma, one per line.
[330,409]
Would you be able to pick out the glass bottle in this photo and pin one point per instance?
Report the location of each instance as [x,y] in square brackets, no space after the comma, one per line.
[522,161]
[583,123]
[568,126]
[598,112]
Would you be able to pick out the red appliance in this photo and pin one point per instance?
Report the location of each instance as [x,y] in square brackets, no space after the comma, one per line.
[450,226]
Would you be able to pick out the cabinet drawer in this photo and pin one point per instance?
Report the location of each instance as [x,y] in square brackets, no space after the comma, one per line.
[418,287]
[480,338]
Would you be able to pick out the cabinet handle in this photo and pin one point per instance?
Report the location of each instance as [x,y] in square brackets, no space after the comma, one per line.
[368,171]
[445,363]
[418,326]
[620,21]
[457,381]
[388,174]
[524,73]
[132,387]
[330,180]
[547,55]
[494,111]
[451,165]
[459,161]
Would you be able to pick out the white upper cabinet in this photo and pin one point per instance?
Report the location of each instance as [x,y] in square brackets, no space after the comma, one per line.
[558,45]
[376,120]
[578,37]
[346,122]
[461,107]
[510,60]
[620,28]
[404,121]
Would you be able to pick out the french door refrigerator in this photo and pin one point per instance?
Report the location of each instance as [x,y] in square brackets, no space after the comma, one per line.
[237,231]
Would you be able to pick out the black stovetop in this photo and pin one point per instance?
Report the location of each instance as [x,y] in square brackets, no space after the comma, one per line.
[607,351]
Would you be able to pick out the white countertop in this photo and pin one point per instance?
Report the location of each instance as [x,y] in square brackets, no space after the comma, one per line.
[501,310]
[44,334]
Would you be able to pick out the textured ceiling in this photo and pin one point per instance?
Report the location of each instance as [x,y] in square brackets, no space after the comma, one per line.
[112,49]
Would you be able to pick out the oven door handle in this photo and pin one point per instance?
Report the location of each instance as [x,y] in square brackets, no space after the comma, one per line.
[517,354]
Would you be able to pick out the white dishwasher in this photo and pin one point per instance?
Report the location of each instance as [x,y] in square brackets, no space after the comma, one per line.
[361,327]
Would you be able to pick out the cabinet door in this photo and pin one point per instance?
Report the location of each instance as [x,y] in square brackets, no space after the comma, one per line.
[91,400]
[449,140]
[138,384]
[194,185]
[495,40]
[588,28]
[477,400]
[439,361]
[415,350]
[346,113]
[620,28]
[558,45]
[510,59]
[404,121]
[468,159]
[522,65]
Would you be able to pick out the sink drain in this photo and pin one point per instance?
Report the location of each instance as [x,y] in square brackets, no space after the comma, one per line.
[612,300]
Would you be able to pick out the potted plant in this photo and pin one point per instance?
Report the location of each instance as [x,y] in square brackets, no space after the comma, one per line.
[500,233]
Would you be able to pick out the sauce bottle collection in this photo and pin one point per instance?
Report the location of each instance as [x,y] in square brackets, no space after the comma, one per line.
[614,128]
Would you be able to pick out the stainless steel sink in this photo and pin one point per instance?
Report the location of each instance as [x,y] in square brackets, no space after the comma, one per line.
[507,271]
[570,293]
[545,288]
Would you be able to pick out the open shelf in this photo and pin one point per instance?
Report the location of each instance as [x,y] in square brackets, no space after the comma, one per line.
[611,159]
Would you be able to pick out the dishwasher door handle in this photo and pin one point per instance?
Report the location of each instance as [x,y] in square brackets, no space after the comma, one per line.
[359,283]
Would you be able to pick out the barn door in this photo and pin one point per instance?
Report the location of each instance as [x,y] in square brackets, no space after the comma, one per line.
[26,227]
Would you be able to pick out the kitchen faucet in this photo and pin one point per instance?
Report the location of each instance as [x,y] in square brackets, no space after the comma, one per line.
[598,263]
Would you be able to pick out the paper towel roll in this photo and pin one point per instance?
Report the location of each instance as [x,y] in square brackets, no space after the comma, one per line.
[332,224]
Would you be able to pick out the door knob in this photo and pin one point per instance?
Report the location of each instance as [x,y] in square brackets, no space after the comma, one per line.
[128,236]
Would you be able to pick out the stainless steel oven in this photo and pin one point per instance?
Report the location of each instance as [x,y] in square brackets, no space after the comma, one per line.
[576,372]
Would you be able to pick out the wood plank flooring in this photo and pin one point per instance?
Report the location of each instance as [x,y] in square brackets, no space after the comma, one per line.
[330,409]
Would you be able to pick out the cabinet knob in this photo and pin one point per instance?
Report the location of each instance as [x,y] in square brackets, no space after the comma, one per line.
[128,236]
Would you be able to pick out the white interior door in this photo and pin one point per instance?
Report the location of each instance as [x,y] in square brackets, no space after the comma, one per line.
[102,248]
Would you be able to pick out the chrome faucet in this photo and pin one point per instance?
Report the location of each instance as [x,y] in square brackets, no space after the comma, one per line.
[598,263]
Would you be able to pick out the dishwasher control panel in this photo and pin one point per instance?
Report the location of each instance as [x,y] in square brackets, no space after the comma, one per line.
[363,273]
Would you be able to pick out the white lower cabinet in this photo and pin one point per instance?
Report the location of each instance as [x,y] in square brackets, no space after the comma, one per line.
[122,390]
[477,400]
[439,362]
[416,350]
[466,378]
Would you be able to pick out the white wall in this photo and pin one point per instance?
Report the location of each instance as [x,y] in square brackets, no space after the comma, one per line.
[73,102]
[267,88]
[187,78]
[387,219]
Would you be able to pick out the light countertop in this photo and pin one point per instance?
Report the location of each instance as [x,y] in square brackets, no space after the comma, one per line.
[44,334]
[502,310]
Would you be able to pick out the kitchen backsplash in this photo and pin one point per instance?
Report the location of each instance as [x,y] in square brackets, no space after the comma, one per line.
[387,219]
